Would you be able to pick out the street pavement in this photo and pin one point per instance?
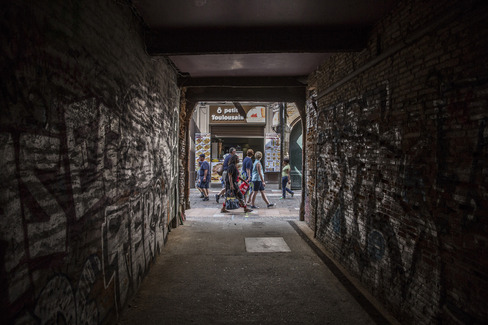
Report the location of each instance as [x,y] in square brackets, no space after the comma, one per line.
[289,207]
[262,267]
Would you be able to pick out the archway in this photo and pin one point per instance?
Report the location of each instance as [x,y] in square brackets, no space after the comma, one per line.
[189,101]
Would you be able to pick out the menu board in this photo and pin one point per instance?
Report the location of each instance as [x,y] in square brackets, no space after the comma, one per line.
[272,152]
[215,177]
[202,145]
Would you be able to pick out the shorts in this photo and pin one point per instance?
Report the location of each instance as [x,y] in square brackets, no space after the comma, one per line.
[257,186]
[204,184]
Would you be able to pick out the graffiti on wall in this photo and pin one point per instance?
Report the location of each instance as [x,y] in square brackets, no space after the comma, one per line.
[361,212]
[132,234]
[81,136]
[87,188]
[60,303]
[460,206]
[457,102]
[391,188]
[311,125]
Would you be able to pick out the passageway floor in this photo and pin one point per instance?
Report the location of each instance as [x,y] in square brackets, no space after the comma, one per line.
[236,269]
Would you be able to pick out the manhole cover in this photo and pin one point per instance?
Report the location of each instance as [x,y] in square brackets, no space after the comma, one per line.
[266,245]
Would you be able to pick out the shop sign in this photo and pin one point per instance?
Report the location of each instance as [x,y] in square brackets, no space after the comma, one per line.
[229,114]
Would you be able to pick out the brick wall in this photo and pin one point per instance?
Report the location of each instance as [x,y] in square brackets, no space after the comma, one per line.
[399,141]
[89,165]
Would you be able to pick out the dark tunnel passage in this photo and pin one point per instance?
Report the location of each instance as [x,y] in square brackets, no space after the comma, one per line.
[97,98]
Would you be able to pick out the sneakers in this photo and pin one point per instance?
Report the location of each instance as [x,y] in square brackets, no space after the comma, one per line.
[254,207]
[217,197]
[247,210]
[292,193]
[281,198]
[223,210]
[271,205]
[205,198]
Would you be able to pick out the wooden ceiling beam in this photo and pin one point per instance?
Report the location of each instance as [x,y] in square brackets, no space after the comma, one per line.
[249,82]
[232,40]
[285,94]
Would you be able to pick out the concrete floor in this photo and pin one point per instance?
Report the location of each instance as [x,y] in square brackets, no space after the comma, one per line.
[243,268]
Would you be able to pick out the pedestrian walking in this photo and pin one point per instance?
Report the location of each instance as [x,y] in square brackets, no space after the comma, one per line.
[285,178]
[247,172]
[231,186]
[197,183]
[197,180]
[225,167]
[258,181]
[204,175]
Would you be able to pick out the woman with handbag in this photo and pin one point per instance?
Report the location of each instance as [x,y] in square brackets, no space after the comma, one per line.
[232,192]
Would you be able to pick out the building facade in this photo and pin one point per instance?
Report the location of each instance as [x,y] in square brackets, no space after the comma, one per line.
[218,126]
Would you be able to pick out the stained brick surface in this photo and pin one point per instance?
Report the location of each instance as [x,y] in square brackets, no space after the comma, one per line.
[397,172]
[88,139]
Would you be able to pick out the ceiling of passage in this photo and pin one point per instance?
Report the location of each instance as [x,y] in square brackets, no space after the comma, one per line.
[238,49]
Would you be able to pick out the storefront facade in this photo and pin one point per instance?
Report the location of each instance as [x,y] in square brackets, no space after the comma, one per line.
[218,126]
